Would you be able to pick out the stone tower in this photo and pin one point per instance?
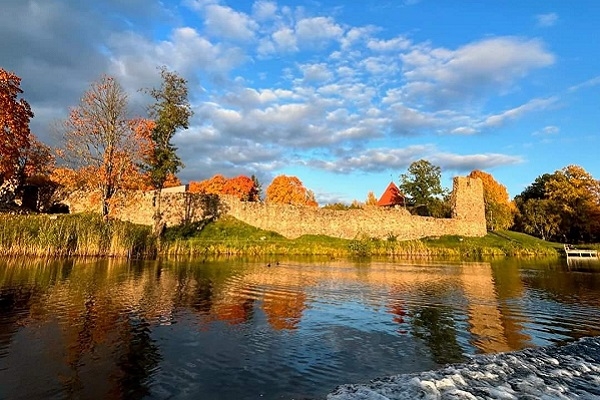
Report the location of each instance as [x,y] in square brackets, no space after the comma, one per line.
[467,202]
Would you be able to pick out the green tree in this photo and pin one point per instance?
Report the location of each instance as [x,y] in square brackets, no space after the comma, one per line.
[563,206]
[257,187]
[422,183]
[539,218]
[576,194]
[171,111]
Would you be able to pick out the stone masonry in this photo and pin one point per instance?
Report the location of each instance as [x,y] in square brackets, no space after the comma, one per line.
[468,215]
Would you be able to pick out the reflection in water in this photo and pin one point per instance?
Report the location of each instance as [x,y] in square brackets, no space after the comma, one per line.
[114,329]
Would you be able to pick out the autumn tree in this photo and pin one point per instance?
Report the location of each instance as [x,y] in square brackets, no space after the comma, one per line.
[99,138]
[171,112]
[213,185]
[576,194]
[15,136]
[498,208]
[289,190]
[422,183]
[242,187]
[563,206]
[371,199]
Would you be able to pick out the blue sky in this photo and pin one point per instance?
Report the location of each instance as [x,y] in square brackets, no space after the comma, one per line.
[343,94]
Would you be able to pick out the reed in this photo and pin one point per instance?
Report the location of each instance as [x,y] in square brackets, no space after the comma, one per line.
[73,235]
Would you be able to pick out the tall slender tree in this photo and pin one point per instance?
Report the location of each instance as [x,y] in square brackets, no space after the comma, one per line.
[15,136]
[171,112]
[99,138]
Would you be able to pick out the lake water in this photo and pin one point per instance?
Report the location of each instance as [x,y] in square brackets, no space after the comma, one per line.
[244,329]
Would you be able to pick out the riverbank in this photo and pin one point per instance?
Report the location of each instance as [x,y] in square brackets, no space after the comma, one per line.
[228,236]
[89,235]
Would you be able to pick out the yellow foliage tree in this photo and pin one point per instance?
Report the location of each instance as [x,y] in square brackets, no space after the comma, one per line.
[371,199]
[499,210]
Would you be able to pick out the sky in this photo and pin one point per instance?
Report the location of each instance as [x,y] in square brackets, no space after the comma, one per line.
[345,95]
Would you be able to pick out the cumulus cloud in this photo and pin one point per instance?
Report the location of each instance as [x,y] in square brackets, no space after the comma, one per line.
[227,23]
[466,163]
[440,76]
[396,44]
[316,72]
[345,91]
[546,20]
[383,159]
[263,10]
[317,31]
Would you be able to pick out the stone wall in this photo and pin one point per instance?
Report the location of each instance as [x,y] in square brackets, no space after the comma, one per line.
[468,215]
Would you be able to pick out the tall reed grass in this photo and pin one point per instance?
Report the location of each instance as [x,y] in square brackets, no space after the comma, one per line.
[73,235]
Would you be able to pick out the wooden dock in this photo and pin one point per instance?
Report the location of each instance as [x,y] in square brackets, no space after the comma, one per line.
[580,254]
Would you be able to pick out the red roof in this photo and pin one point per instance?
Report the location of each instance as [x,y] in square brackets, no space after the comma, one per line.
[391,196]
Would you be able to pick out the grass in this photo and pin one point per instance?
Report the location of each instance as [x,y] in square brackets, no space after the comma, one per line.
[90,235]
[228,236]
[73,235]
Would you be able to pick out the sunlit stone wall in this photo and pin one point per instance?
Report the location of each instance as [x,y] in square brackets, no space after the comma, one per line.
[468,215]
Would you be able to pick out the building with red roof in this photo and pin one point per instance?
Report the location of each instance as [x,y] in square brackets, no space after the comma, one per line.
[391,197]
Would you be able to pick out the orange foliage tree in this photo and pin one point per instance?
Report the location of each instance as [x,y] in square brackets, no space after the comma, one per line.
[212,185]
[99,137]
[242,187]
[499,210]
[289,190]
[15,137]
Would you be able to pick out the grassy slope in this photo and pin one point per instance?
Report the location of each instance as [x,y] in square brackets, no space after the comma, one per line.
[230,236]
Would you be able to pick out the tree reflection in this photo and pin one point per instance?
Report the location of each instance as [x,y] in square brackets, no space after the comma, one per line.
[436,327]
[139,359]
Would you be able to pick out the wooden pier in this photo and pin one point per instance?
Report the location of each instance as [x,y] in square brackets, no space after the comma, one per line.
[580,254]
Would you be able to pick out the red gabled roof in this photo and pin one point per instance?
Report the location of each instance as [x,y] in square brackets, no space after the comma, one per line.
[391,196]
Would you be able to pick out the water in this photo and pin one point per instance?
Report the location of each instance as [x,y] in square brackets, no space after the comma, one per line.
[239,329]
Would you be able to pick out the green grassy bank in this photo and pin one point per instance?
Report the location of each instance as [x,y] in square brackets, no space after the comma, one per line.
[229,236]
[89,235]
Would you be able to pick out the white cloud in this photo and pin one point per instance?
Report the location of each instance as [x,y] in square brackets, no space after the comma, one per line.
[383,159]
[517,112]
[396,44]
[440,76]
[317,31]
[546,20]
[316,72]
[263,10]
[589,83]
[285,40]
[373,160]
[466,163]
[227,23]
[547,131]
[356,35]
